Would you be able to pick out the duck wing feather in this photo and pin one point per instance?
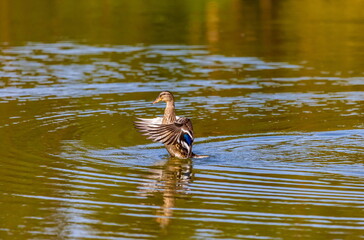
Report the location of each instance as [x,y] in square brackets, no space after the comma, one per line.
[168,134]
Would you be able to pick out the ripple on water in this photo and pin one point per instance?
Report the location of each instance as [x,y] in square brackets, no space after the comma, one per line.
[264,186]
[69,150]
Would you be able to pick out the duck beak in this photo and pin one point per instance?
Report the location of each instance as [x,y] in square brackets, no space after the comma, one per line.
[158,99]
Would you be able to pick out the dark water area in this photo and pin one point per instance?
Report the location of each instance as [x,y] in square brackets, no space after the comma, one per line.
[274,89]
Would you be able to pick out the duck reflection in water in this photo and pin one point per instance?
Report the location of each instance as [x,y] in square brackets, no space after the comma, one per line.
[172,181]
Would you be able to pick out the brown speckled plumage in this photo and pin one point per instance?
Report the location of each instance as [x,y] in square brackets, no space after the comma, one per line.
[176,133]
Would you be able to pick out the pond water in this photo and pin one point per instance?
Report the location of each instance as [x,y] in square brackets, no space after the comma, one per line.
[275,90]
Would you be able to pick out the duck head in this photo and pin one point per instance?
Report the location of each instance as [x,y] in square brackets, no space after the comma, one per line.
[164,96]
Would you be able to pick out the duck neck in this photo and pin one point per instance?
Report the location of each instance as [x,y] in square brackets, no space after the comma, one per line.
[169,113]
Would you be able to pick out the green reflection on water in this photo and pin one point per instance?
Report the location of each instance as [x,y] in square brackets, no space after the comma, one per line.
[321,33]
[74,168]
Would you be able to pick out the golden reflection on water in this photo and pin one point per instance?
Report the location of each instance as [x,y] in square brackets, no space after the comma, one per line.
[274,89]
[212,23]
[305,25]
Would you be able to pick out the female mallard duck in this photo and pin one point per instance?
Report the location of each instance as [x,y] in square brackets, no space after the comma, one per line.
[175,132]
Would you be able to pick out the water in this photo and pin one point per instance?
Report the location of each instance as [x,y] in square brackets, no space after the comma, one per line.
[275,96]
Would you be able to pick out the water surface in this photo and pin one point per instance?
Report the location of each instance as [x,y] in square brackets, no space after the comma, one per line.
[274,101]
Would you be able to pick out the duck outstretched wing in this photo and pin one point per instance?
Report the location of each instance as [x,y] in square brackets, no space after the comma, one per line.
[181,131]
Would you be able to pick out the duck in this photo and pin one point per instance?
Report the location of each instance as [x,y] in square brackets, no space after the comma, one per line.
[176,133]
